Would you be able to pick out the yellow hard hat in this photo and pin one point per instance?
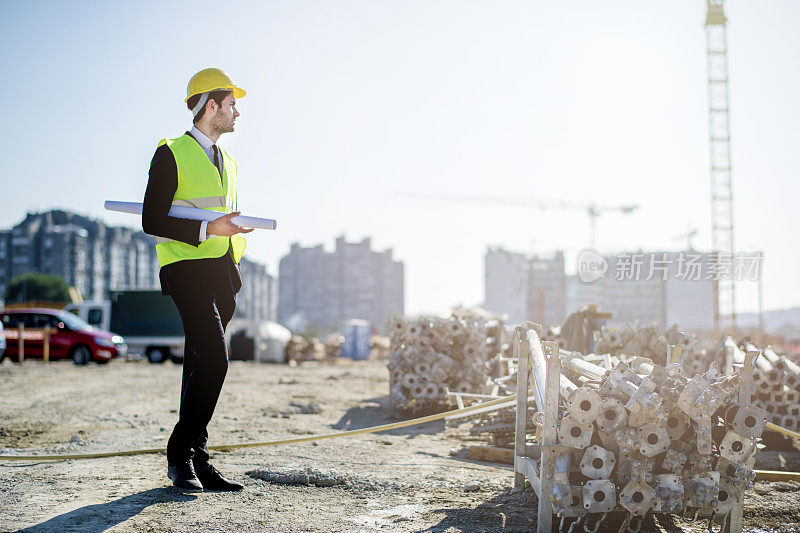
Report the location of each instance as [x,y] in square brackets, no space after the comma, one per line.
[212,79]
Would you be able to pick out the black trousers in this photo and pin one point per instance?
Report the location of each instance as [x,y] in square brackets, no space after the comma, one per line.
[202,292]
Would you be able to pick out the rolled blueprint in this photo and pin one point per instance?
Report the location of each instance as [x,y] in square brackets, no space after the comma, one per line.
[193,213]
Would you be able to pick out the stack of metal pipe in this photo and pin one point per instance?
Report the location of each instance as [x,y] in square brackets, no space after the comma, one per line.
[635,340]
[776,379]
[644,340]
[643,437]
[430,356]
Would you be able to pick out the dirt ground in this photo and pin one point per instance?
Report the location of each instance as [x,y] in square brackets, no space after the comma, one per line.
[411,479]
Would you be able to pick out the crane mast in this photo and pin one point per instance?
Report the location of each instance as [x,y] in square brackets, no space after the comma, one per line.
[720,158]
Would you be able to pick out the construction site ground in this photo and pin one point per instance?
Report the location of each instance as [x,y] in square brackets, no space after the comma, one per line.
[410,479]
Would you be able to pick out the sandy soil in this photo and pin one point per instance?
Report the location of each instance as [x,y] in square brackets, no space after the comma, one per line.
[412,479]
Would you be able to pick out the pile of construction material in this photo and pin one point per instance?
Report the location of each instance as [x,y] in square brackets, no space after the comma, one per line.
[776,379]
[300,349]
[430,356]
[497,427]
[642,340]
[379,347]
[641,437]
[648,340]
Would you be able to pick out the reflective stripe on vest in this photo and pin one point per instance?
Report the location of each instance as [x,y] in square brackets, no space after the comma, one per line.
[199,185]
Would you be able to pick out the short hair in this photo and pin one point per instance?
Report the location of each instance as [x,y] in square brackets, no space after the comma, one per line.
[217,96]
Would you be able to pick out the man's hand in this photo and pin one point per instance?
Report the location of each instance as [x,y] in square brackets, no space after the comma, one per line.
[224,227]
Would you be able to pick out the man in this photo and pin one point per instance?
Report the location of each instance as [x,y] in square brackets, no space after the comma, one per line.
[199,264]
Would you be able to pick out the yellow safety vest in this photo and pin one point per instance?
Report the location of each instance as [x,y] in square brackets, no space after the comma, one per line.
[199,185]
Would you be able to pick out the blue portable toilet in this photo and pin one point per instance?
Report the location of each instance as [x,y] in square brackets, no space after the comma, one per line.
[357,334]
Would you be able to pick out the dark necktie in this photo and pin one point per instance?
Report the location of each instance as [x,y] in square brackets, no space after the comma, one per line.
[216,164]
[216,160]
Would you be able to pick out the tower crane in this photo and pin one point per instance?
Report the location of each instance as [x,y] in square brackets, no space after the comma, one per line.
[720,159]
[592,209]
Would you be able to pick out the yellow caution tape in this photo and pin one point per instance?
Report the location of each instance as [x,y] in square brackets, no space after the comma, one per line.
[226,447]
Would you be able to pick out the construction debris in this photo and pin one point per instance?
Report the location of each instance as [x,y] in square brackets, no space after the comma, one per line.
[300,349]
[497,427]
[430,356]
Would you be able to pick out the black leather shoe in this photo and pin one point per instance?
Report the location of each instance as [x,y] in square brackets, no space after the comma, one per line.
[183,476]
[213,480]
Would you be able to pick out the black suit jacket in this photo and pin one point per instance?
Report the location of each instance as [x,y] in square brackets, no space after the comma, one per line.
[161,186]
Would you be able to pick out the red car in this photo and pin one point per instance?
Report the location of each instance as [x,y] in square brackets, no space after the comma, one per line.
[70,336]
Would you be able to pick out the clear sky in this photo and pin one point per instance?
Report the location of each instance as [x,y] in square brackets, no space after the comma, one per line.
[351,101]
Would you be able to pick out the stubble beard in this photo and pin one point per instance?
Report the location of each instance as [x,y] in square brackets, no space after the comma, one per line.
[221,127]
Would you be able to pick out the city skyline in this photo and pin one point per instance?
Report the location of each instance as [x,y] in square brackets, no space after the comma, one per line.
[351,102]
[525,287]
[98,259]
[568,269]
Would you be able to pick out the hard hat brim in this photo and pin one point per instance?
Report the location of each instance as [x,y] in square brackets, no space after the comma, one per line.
[238,92]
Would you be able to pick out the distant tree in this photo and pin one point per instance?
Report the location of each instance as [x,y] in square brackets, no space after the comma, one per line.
[33,286]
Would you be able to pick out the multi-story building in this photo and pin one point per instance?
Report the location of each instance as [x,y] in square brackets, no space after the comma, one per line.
[506,284]
[525,287]
[665,287]
[629,293]
[257,300]
[39,245]
[547,284]
[581,294]
[88,255]
[97,259]
[318,290]
[5,260]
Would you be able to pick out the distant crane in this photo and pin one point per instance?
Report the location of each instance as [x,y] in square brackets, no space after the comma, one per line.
[689,235]
[592,210]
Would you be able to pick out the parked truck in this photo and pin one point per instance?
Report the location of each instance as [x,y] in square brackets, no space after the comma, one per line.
[147,320]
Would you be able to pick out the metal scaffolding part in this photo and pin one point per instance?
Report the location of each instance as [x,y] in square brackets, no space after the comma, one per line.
[542,361]
[720,158]
[574,362]
[635,438]
[435,359]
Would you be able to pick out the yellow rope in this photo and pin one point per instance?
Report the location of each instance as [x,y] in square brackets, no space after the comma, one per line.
[779,429]
[296,440]
[226,447]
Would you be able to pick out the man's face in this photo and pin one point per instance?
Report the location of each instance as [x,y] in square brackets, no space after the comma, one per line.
[226,114]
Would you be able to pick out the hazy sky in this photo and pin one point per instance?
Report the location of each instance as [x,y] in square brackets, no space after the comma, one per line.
[350,102]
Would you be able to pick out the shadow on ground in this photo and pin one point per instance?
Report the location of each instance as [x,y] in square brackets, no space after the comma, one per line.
[375,412]
[103,516]
[516,512]
[505,512]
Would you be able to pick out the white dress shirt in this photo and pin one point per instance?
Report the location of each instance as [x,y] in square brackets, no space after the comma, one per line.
[208,147]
